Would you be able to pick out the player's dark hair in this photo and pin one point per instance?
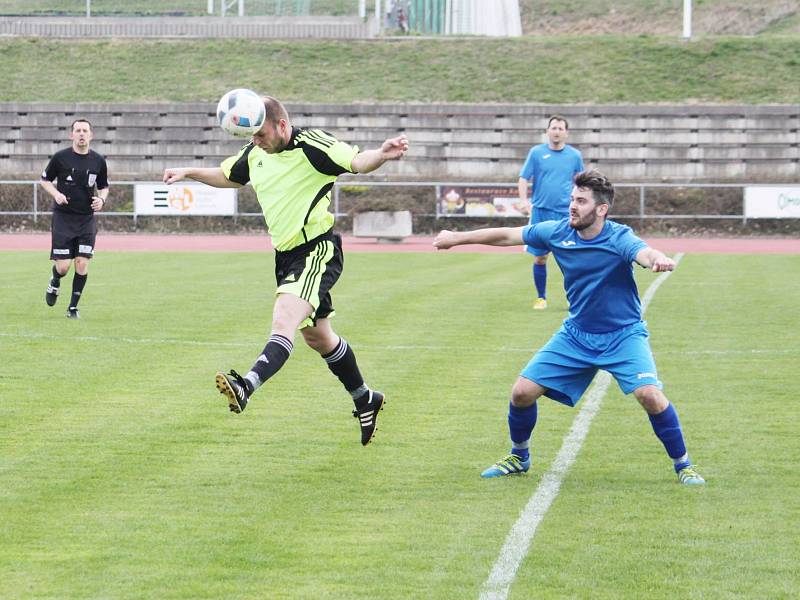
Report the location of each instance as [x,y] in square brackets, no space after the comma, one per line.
[71,127]
[602,189]
[558,118]
[275,110]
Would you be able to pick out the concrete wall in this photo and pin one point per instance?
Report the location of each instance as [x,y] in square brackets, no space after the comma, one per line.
[189,27]
[456,142]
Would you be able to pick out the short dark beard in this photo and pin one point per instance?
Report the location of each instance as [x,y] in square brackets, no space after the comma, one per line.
[582,224]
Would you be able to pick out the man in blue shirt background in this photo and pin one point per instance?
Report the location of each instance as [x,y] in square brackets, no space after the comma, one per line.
[550,167]
[604,329]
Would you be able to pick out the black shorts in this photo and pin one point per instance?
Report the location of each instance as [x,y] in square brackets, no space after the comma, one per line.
[309,271]
[72,235]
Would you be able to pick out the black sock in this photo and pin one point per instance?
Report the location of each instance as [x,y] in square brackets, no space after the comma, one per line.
[342,363]
[272,358]
[55,281]
[78,281]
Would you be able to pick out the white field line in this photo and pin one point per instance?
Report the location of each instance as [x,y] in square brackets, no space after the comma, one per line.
[520,537]
[367,347]
[123,340]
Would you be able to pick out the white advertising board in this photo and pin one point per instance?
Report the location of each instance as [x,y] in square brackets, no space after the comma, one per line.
[772,202]
[183,199]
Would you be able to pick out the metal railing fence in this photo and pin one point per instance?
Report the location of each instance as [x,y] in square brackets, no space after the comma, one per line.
[187,8]
[635,206]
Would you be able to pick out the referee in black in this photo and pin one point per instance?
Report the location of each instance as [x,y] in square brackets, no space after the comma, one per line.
[81,191]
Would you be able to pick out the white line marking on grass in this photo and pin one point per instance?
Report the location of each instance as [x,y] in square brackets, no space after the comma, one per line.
[520,537]
[364,347]
[124,340]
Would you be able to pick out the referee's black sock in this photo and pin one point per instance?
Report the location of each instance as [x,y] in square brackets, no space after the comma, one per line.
[273,357]
[78,281]
[342,363]
[55,281]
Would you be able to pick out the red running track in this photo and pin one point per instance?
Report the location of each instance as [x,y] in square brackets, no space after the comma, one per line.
[258,243]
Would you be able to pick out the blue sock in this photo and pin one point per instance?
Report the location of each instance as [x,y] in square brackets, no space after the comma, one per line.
[540,279]
[668,429]
[521,422]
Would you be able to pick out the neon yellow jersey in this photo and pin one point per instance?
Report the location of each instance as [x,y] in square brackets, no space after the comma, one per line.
[294,186]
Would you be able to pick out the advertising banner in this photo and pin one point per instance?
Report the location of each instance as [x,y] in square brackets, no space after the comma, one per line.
[183,199]
[772,202]
[478,201]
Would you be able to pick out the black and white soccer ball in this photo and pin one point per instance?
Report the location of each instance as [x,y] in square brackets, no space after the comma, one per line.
[241,112]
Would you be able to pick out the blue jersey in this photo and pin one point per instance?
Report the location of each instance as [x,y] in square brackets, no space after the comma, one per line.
[598,273]
[552,172]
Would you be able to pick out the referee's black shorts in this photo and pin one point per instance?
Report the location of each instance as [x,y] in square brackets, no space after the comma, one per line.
[72,235]
[309,271]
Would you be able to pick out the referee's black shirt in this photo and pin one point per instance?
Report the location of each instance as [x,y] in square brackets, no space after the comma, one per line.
[77,175]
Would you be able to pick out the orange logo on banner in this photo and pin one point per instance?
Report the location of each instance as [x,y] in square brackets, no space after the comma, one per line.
[181,198]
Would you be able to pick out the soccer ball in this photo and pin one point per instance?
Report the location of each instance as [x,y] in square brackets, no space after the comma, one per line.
[241,112]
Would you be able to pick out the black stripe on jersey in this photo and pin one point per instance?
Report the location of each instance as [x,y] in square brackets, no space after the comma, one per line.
[315,135]
[240,171]
[320,160]
[320,195]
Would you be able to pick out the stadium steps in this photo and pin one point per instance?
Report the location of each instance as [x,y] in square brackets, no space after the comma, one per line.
[449,141]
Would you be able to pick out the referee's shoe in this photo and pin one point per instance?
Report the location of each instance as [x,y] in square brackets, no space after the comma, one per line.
[367,408]
[52,293]
[234,388]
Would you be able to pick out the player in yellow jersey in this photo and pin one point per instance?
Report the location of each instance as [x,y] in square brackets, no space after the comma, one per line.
[292,171]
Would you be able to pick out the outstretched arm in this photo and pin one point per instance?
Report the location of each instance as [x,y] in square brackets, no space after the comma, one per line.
[493,236]
[210,176]
[369,160]
[653,259]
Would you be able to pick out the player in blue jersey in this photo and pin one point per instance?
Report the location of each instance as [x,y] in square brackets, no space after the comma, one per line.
[550,167]
[604,329]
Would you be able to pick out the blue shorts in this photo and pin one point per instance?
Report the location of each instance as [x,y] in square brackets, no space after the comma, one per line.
[539,215]
[566,365]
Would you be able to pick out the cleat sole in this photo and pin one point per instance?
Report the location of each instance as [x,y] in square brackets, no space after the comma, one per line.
[225,390]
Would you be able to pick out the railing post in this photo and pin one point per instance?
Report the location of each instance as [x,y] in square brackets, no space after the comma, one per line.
[35,202]
[687,19]
[744,208]
[641,201]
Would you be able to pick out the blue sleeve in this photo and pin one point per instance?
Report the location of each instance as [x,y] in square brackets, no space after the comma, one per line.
[537,235]
[579,162]
[628,244]
[527,168]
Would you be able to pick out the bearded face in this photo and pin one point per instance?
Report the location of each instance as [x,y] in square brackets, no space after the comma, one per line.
[583,210]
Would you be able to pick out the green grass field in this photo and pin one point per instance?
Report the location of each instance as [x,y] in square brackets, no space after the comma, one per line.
[122,475]
[661,17]
[564,69]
